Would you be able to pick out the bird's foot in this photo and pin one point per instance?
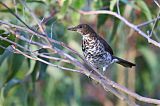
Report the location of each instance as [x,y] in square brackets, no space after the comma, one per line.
[89,74]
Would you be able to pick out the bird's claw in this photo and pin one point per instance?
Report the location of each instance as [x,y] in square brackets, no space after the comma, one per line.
[90,73]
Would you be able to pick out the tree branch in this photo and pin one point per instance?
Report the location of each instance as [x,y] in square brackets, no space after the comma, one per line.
[107,84]
[98,76]
[124,20]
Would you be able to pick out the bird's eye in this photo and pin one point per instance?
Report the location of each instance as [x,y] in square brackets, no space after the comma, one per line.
[80,26]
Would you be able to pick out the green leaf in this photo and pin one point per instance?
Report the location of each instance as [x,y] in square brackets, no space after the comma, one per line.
[101,19]
[63,9]
[14,64]
[114,30]
[4,56]
[1,50]
[150,56]
[125,1]
[143,6]
[4,43]
[39,68]
[10,85]
[146,80]
[97,4]
[78,3]
[2,31]
[43,66]
[75,18]
[112,4]
[35,1]
[35,71]
[6,10]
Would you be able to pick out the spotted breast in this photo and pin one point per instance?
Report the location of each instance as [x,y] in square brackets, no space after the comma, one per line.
[95,53]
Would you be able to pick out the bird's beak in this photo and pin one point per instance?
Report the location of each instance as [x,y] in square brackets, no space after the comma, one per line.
[72,28]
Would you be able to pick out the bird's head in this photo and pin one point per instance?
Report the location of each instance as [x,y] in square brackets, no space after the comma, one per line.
[83,29]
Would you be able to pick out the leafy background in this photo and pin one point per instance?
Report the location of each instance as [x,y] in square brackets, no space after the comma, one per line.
[25,82]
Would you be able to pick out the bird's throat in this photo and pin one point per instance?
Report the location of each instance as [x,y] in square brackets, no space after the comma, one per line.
[90,40]
[88,37]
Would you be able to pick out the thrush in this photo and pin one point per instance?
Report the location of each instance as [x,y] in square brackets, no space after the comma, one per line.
[96,50]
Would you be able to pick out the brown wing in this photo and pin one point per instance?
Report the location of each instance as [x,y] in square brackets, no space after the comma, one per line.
[106,45]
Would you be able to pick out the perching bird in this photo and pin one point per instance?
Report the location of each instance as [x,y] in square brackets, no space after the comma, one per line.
[96,50]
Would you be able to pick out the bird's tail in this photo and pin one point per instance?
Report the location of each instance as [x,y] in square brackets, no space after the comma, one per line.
[124,62]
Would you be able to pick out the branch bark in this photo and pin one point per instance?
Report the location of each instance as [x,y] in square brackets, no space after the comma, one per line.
[149,39]
[106,83]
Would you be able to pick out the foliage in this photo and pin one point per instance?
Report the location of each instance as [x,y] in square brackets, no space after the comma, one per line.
[25,82]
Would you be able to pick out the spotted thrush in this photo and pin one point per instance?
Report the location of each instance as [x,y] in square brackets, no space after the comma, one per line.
[96,50]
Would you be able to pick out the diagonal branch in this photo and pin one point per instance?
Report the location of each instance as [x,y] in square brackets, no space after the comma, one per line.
[97,77]
[105,82]
[124,20]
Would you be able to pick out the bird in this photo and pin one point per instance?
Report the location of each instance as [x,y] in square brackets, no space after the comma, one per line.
[96,50]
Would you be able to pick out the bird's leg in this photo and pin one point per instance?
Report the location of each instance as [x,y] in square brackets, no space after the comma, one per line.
[93,70]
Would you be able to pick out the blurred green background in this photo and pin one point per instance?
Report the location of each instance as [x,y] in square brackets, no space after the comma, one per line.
[25,82]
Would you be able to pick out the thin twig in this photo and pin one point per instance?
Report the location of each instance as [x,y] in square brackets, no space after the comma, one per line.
[124,20]
[58,66]
[24,29]
[33,15]
[96,77]
[5,39]
[157,3]
[82,69]
[46,38]
[150,34]
[148,22]
[154,20]
[118,10]
[53,58]
[36,58]
[7,48]
[37,21]
[15,15]
[26,55]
